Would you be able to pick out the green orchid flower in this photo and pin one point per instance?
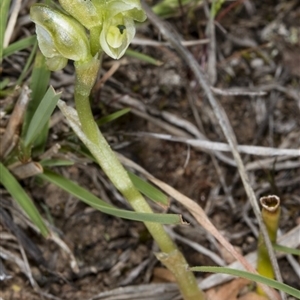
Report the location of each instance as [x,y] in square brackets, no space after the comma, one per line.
[118,26]
[60,37]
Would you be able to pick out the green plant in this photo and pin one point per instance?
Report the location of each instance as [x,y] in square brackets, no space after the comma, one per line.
[62,37]
[106,34]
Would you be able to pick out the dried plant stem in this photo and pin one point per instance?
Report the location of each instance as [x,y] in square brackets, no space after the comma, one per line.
[270,215]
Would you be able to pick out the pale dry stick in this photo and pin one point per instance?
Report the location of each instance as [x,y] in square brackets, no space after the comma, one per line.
[217,146]
[15,121]
[11,256]
[268,163]
[28,270]
[201,140]
[225,125]
[59,242]
[135,272]
[238,91]
[166,291]
[53,236]
[141,111]
[147,42]
[217,259]
[3,272]
[50,152]
[198,214]
[114,68]
[213,158]
[294,264]
[12,22]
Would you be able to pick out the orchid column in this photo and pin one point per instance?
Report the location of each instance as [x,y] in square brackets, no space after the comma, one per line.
[110,27]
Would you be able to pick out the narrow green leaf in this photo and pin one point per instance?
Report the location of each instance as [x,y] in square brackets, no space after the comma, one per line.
[215,7]
[287,250]
[149,190]
[4,83]
[19,45]
[253,277]
[143,57]
[56,162]
[113,116]
[39,83]
[28,64]
[90,199]
[19,195]
[41,116]
[4,8]
[143,186]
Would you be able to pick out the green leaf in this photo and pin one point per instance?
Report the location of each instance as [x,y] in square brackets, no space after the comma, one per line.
[254,277]
[19,195]
[4,83]
[215,7]
[90,199]
[287,250]
[41,116]
[39,83]
[113,116]
[19,45]
[149,190]
[4,9]
[143,57]
[56,162]
[27,65]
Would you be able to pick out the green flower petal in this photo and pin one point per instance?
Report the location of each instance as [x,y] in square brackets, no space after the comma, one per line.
[65,35]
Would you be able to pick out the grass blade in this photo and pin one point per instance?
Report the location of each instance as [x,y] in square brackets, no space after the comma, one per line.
[253,277]
[144,57]
[4,8]
[90,199]
[113,116]
[56,162]
[41,116]
[39,83]
[149,190]
[19,195]
[286,250]
[19,45]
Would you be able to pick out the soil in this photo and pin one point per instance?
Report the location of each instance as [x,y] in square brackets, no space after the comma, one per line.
[257,50]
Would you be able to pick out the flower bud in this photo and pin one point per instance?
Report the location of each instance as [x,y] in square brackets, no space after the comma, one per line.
[60,37]
[83,11]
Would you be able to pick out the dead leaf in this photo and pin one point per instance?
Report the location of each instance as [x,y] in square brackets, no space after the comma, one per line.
[228,291]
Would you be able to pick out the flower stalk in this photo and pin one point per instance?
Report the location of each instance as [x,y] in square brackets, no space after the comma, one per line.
[171,257]
[62,36]
[270,215]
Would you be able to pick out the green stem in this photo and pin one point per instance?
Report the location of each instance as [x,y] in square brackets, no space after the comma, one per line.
[119,177]
[94,39]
